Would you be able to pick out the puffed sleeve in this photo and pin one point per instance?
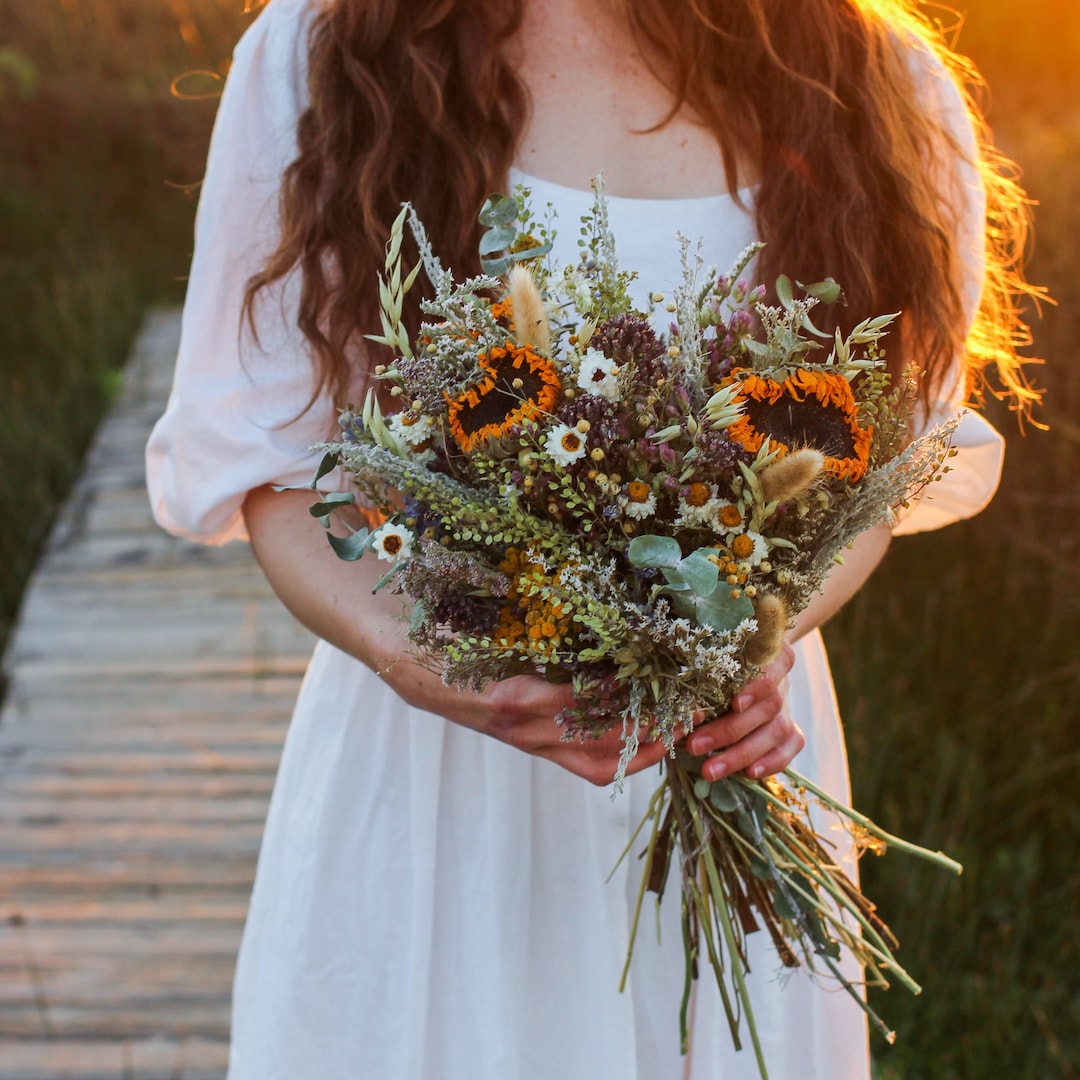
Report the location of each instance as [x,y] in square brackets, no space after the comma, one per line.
[976,468]
[230,424]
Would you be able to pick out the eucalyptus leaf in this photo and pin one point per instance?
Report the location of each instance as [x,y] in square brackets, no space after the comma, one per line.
[723,796]
[340,498]
[784,291]
[532,253]
[331,502]
[783,905]
[676,583]
[497,239]
[702,788]
[699,572]
[349,548]
[389,575]
[326,466]
[684,604]
[654,551]
[761,868]
[496,267]
[721,611]
[498,209]
[690,762]
[827,291]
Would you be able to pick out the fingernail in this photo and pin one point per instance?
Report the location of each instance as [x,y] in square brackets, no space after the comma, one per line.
[716,769]
[740,703]
[695,746]
[754,772]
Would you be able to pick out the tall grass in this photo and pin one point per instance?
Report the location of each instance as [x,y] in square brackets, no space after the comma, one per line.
[958,667]
[92,225]
[958,672]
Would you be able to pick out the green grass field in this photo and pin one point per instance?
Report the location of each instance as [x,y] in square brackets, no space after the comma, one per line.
[958,667]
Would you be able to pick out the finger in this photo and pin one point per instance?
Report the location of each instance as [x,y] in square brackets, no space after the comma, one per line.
[747,750]
[780,757]
[648,755]
[781,663]
[759,689]
[598,765]
[733,726]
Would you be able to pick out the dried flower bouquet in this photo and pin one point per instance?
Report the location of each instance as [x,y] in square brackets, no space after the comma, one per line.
[568,488]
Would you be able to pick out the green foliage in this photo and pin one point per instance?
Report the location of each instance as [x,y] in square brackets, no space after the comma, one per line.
[957,673]
[95,223]
[503,243]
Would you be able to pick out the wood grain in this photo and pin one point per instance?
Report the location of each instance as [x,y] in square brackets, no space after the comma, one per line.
[151,681]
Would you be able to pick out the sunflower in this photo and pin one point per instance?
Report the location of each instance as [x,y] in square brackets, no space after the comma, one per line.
[517,385]
[809,408]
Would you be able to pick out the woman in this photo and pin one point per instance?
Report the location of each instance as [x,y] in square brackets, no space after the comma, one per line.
[430,900]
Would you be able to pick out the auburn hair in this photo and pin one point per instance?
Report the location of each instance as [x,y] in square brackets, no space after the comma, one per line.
[419,100]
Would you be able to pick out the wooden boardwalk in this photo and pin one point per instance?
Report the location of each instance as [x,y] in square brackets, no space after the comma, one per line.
[151,681]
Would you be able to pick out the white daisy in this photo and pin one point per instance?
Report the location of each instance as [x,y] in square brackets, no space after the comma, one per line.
[392,542]
[697,504]
[727,517]
[565,444]
[637,500]
[749,547]
[599,375]
[410,427]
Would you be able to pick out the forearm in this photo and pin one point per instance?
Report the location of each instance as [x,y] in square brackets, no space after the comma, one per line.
[844,581]
[332,598]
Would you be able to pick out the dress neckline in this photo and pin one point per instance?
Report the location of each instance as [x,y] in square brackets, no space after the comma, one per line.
[519,176]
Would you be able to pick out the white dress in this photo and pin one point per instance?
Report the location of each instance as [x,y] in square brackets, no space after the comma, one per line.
[430,904]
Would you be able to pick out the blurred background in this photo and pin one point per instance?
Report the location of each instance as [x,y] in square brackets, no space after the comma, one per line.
[958,667]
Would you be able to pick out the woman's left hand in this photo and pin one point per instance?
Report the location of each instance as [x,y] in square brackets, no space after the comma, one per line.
[757,736]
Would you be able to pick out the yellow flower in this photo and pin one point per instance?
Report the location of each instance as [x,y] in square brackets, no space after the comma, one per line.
[517,386]
[742,547]
[698,494]
[528,622]
[809,408]
[728,516]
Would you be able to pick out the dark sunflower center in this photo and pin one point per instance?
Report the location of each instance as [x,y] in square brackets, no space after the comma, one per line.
[497,403]
[803,423]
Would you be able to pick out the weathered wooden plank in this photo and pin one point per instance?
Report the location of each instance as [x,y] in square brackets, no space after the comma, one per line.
[165,909]
[90,813]
[68,840]
[150,874]
[151,683]
[178,1017]
[200,791]
[155,1058]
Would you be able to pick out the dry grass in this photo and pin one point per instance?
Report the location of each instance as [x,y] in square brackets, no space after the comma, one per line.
[94,222]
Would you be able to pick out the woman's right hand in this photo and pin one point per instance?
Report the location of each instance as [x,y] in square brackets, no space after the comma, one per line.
[521,712]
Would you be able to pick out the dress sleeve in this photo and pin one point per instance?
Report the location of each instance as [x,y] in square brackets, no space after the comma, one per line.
[976,470]
[230,424]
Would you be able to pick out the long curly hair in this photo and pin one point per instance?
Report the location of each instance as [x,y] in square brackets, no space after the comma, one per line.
[419,100]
